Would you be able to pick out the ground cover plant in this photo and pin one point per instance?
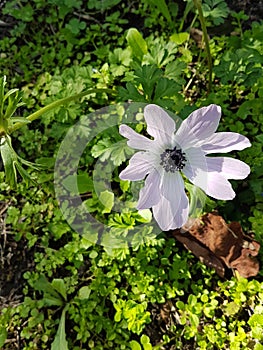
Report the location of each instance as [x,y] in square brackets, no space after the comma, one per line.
[81,267]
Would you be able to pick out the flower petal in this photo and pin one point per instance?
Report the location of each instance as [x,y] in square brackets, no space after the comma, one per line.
[159,124]
[195,160]
[200,124]
[214,184]
[222,142]
[172,212]
[150,194]
[230,168]
[172,186]
[140,164]
[136,140]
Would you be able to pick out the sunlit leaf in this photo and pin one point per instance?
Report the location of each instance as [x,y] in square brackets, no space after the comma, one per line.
[137,43]
[60,341]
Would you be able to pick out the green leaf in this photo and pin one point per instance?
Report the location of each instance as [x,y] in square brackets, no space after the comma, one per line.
[260,137]
[231,308]
[43,285]
[60,341]
[198,200]
[50,300]
[84,293]
[81,183]
[60,287]
[2,93]
[135,345]
[137,43]
[110,149]
[162,7]
[256,320]
[107,199]
[145,340]
[179,38]
[9,160]
[24,174]
[3,336]
[13,103]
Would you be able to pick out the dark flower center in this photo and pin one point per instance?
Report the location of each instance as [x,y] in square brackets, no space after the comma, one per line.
[173,160]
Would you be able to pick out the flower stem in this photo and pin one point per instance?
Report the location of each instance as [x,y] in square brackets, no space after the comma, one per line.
[55,104]
[198,5]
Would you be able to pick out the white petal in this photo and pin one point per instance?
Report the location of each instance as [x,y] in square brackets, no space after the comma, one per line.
[172,213]
[140,164]
[172,186]
[219,187]
[230,168]
[136,140]
[200,124]
[214,184]
[223,142]
[150,194]
[159,124]
[195,160]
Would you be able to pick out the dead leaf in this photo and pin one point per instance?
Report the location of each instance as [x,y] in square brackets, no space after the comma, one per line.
[221,245]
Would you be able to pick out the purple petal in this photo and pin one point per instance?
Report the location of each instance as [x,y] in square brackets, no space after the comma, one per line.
[140,164]
[136,140]
[222,142]
[159,124]
[200,124]
[230,168]
[150,193]
[172,212]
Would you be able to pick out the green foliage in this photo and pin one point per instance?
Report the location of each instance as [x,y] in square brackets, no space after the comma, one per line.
[75,294]
[137,43]
[215,10]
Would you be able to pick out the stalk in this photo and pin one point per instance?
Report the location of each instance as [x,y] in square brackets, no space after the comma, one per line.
[55,104]
[198,5]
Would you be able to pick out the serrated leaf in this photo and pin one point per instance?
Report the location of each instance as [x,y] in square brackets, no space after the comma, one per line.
[106,149]
[137,43]
[60,341]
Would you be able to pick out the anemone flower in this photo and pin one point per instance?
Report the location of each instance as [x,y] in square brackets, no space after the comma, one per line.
[171,155]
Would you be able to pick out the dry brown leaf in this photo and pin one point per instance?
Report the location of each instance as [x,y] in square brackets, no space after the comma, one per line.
[221,245]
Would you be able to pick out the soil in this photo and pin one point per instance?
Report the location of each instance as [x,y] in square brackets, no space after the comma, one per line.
[252,8]
[15,259]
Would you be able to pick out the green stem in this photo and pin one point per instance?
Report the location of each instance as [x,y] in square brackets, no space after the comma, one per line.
[198,5]
[57,103]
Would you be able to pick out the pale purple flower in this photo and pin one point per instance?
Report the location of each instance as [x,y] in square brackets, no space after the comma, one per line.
[171,154]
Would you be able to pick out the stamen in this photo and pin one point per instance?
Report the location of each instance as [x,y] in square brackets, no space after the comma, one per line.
[173,160]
